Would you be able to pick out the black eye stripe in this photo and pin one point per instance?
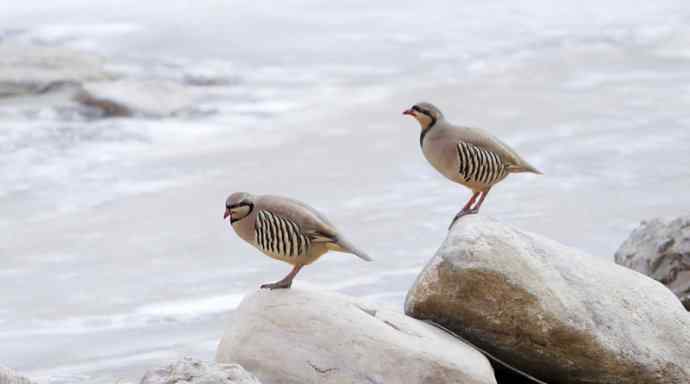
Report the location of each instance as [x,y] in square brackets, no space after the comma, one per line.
[422,111]
[251,209]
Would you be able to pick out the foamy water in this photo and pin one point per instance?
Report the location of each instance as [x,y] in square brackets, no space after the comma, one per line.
[114,256]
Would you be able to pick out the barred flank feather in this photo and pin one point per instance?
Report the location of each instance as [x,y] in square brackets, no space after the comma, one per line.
[478,165]
[277,235]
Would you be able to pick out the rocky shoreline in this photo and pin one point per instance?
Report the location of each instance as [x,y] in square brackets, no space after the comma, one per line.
[549,310]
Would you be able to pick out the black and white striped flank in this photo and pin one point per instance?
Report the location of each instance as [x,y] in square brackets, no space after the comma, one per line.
[279,236]
[477,165]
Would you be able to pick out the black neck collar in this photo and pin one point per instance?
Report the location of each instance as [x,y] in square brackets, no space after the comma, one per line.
[426,130]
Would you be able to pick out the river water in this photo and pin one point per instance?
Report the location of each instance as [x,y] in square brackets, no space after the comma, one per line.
[113,254]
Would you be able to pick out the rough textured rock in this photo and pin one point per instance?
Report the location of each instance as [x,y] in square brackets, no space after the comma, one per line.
[660,249]
[553,311]
[298,337]
[8,376]
[193,371]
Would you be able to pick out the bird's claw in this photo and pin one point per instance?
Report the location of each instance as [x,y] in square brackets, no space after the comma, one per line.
[461,214]
[278,285]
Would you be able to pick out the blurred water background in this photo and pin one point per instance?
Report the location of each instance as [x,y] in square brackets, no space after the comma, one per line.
[113,253]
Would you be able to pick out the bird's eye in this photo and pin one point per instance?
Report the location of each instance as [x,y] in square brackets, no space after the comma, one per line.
[416,108]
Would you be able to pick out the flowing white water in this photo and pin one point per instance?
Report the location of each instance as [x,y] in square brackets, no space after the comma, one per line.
[113,254]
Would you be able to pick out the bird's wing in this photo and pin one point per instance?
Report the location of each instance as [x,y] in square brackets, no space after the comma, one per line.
[318,237]
[311,222]
[484,140]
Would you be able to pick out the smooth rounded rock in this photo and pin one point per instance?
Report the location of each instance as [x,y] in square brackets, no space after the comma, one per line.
[551,310]
[299,337]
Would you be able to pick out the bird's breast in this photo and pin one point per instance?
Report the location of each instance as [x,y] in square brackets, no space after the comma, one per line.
[438,155]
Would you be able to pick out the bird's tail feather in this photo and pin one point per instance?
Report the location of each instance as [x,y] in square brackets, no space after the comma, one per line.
[524,167]
[343,245]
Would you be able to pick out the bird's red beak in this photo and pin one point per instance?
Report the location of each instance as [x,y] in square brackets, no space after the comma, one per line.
[227,213]
[408,112]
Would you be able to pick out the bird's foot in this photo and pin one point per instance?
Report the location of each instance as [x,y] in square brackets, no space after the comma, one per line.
[461,214]
[278,285]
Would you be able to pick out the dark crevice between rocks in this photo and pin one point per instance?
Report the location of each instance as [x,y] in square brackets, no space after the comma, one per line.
[507,376]
[504,372]
[322,371]
[372,313]
[392,325]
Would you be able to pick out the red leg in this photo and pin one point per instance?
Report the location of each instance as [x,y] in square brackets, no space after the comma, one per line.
[470,202]
[286,282]
[481,200]
[466,209]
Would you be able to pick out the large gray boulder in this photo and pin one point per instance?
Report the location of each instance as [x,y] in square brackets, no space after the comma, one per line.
[8,376]
[192,371]
[553,311]
[660,249]
[298,337]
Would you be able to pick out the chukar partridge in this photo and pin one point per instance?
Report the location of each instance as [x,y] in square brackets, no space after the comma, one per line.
[469,156]
[285,229]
